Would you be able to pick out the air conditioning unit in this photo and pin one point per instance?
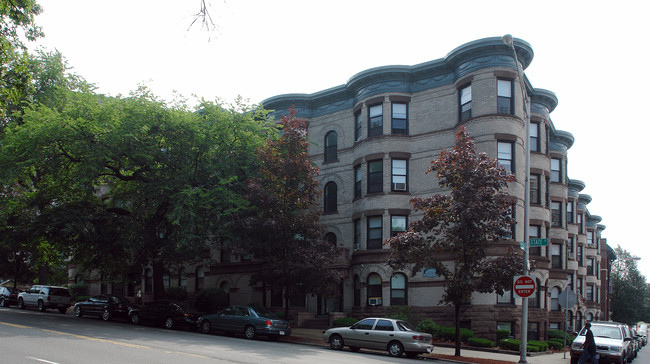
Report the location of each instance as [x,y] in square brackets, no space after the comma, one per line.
[356,246]
[399,186]
[374,301]
[570,255]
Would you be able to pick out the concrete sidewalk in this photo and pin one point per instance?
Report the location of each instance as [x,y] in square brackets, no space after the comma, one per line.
[315,337]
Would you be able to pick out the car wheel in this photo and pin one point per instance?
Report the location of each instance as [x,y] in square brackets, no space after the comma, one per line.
[249,332]
[3,303]
[206,327]
[63,309]
[41,306]
[21,304]
[135,319]
[336,342]
[169,323]
[77,311]
[395,348]
[106,314]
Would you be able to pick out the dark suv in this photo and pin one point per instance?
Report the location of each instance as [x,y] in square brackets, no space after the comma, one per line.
[45,297]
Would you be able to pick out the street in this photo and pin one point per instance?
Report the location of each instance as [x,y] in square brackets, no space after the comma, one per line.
[28,336]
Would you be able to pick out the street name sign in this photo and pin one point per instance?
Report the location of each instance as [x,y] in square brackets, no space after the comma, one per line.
[534,242]
[523,286]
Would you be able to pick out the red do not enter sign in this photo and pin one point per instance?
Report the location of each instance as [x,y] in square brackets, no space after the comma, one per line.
[524,286]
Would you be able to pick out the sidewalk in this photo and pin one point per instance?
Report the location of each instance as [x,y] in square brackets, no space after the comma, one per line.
[315,337]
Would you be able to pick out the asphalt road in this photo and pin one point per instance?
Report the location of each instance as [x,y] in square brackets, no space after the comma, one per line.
[31,337]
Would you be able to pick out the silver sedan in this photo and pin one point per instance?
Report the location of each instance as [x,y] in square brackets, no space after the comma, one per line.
[396,336]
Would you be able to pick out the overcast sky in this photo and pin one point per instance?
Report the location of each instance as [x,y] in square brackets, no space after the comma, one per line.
[592,54]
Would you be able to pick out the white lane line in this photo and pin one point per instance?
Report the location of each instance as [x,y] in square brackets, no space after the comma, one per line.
[41,360]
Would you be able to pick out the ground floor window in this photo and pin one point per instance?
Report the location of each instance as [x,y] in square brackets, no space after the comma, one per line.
[374,290]
[533,331]
[502,327]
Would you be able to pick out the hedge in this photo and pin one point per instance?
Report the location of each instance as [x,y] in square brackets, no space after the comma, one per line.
[480,342]
[555,345]
[448,333]
[543,346]
[502,334]
[510,344]
[428,326]
[344,321]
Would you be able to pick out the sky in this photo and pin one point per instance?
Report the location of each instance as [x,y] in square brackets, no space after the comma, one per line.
[592,54]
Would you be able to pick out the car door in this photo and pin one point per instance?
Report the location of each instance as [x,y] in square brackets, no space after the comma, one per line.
[240,319]
[382,334]
[222,319]
[359,333]
[32,295]
[96,304]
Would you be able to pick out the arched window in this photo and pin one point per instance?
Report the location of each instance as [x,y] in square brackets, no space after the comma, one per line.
[330,198]
[398,291]
[200,277]
[555,302]
[331,145]
[331,237]
[148,280]
[357,291]
[589,317]
[374,290]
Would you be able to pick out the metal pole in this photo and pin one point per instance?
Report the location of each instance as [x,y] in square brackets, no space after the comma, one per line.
[508,40]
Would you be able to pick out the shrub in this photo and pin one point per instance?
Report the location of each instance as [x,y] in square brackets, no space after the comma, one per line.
[480,342]
[176,293]
[559,334]
[402,313]
[210,300]
[449,333]
[344,321]
[532,349]
[510,344]
[502,334]
[428,326]
[543,346]
[78,290]
[555,345]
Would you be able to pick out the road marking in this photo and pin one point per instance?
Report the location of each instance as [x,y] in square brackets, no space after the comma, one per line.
[188,354]
[41,360]
[15,325]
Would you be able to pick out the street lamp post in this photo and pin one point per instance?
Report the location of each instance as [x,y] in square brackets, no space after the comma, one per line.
[508,40]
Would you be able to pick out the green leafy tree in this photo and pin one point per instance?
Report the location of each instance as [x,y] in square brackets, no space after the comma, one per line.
[284,233]
[460,226]
[629,289]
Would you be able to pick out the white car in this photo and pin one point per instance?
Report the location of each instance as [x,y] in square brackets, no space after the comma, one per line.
[45,297]
[396,336]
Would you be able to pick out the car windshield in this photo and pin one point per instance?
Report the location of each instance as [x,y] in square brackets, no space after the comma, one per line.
[405,326]
[610,332]
[266,314]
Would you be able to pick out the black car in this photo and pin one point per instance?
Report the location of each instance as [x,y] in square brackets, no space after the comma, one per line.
[105,306]
[246,320]
[8,296]
[168,313]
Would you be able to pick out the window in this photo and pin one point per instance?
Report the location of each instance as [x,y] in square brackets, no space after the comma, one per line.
[590,239]
[590,293]
[375,176]
[534,137]
[579,286]
[374,232]
[555,303]
[357,234]
[465,99]
[399,175]
[384,325]
[357,181]
[374,290]
[182,278]
[397,225]
[569,212]
[579,221]
[200,278]
[400,119]
[357,125]
[505,325]
[579,255]
[331,144]
[556,258]
[556,214]
[166,281]
[148,280]
[590,266]
[505,298]
[535,231]
[535,189]
[504,97]
[505,155]
[357,291]
[569,247]
[570,282]
[330,198]
[398,290]
[331,238]
[375,120]
[556,170]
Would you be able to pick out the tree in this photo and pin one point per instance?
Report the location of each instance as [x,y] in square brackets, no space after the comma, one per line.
[629,289]
[283,232]
[461,226]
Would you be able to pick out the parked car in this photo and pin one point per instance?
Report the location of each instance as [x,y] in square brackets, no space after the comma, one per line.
[612,343]
[45,297]
[246,320]
[106,306]
[170,314]
[396,336]
[8,296]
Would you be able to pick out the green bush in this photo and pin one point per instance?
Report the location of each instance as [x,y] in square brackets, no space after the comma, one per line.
[176,293]
[502,334]
[448,333]
[344,321]
[402,313]
[510,344]
[543,346]
[532,349]
[210,300]
[480,342]
[555,345]
[78,290]
[559,334]
[430,327]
